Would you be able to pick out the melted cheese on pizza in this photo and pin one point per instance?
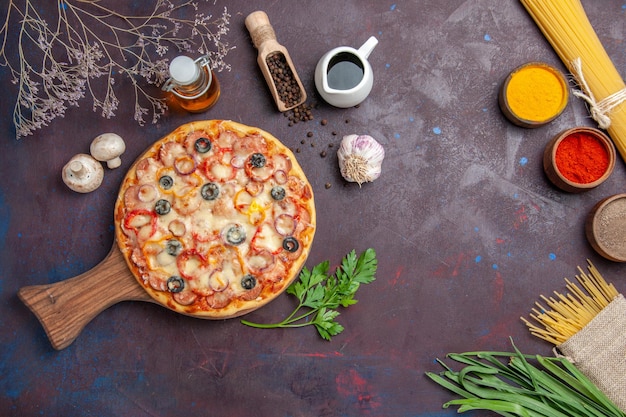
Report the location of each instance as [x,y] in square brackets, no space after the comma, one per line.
[215,216]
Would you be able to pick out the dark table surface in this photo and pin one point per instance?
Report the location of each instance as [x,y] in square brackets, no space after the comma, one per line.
[468,230]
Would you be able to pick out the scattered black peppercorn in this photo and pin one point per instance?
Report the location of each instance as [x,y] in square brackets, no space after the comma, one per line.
[323,154]
[301,113]
[328,185]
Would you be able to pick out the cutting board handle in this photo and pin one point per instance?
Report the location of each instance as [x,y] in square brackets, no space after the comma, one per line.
[64,308]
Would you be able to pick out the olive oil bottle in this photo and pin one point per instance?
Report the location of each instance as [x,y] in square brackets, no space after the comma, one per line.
[192,83]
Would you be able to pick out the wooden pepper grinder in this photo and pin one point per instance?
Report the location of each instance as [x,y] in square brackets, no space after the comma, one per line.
[275,63]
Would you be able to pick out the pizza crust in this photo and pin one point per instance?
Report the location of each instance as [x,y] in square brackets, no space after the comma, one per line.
[219,232]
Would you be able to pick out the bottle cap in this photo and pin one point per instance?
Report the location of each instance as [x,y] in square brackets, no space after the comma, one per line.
[183,70]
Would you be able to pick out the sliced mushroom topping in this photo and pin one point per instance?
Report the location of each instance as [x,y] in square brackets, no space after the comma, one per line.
[146,193]
[177,227]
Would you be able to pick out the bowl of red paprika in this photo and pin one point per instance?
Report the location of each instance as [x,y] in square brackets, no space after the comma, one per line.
[579,159]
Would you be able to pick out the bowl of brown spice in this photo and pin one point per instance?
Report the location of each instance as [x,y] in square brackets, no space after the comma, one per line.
[579,159]
[606,228]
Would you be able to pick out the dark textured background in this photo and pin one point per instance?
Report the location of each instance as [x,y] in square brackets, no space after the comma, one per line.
[468,230]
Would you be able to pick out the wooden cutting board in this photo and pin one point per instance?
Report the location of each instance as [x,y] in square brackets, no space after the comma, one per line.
[64,308]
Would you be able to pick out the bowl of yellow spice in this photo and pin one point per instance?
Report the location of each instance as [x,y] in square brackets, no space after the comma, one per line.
[533,95]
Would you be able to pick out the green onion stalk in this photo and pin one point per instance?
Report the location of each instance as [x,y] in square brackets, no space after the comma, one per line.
[516,384]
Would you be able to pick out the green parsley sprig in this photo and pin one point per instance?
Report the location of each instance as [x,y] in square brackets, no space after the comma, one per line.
[320,294]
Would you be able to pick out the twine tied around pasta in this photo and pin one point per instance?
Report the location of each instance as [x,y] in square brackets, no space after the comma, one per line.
[599,110]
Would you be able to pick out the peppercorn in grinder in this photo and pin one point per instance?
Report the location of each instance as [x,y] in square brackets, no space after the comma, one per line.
[275,63]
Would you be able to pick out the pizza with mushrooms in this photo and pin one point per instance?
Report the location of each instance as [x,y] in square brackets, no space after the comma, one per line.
[215,219]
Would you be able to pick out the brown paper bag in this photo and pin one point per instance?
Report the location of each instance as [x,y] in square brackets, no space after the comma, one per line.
[599,351]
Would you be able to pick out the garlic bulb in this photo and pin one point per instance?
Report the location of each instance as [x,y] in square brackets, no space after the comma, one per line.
[360,158]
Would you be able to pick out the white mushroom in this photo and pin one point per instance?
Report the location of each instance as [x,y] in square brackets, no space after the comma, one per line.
[108,147]
[83,173]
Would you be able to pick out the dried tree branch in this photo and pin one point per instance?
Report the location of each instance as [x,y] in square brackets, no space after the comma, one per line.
[83,48]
